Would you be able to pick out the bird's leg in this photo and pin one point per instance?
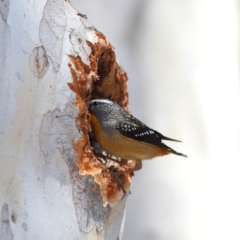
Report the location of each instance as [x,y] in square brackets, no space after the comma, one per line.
[121,162]
[137,166]
[100,155]
[116,175]
[104,157]
[117,178]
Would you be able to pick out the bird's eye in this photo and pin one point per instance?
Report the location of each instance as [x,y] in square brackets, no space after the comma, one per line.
[95,103]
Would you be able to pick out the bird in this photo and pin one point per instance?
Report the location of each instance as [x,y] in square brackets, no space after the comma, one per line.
[124,136]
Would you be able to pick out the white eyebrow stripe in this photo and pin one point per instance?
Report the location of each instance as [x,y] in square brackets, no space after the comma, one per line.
[101,100]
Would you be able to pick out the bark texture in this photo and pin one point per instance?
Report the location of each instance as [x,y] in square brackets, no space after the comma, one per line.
[53,61]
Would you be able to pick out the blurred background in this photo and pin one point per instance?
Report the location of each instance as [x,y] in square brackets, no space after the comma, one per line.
[182,60]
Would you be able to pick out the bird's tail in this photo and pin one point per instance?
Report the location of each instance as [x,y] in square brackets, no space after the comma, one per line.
[177,153]
[173,151]
[169,139]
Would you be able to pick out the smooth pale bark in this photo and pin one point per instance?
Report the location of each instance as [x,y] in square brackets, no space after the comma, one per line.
[42,194]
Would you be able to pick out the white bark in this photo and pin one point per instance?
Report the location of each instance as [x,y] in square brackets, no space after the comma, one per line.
[42,194]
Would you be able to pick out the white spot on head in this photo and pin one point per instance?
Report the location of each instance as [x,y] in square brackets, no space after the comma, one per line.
[101,101]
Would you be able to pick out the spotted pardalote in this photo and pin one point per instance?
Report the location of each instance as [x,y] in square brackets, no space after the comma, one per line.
[124,136]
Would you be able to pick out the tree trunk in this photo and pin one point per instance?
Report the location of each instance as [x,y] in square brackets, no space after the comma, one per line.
[53,61]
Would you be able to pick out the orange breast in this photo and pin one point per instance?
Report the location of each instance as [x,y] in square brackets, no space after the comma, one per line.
[96,127]
[124,147]
[127,148]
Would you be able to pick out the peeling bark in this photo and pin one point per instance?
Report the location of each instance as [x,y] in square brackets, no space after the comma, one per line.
[54,61]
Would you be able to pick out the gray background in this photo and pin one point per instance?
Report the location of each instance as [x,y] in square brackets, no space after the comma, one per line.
[182,60]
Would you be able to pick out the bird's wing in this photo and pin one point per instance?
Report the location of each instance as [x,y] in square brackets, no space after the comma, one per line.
[135,129]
